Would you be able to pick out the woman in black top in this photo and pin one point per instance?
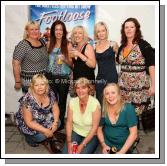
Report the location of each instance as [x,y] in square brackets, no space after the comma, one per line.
[82,55]
[105,52]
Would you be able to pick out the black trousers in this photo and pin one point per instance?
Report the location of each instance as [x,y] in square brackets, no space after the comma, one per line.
[60,86]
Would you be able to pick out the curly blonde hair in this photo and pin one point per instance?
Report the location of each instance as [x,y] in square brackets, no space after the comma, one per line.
[35,78]
[85,34]
[29,23]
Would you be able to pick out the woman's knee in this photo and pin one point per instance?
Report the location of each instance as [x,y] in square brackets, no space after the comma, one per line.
[39,137]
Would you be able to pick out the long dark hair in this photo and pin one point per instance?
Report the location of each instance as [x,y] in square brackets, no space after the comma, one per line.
[138,34]
[64,40]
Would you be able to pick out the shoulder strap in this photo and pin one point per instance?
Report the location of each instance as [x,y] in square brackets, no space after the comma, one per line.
[112,43]
[42,41]
[84,47]
[119,51]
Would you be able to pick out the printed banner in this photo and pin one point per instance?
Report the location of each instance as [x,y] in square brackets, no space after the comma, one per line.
[71,15]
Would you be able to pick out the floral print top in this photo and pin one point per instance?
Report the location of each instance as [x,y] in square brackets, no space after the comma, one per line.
[43,116]
[133,81]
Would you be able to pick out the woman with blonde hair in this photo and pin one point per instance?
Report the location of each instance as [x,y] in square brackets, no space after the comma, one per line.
[82,55]
[83,118]
[30,57]
[118,127]
[38,114]
[105,51]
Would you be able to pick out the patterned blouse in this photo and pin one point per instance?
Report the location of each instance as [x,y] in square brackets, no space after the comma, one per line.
[34,60]
[55,68]
[43,116]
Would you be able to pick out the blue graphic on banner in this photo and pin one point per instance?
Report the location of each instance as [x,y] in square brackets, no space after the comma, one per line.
[71,15]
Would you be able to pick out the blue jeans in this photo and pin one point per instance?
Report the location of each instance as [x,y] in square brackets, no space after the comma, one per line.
[34,139]
[37,138]
[90,147]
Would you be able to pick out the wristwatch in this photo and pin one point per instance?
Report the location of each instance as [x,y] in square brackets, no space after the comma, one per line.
[84,144]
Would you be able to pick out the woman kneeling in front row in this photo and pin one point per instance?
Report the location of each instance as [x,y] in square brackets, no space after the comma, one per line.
[83,118]
[118,126]
[38,114]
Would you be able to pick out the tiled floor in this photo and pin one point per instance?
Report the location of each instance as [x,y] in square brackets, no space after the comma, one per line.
[15,143]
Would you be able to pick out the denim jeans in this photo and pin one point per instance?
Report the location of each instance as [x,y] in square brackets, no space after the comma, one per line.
[34,139]
[37,138]
[90,147]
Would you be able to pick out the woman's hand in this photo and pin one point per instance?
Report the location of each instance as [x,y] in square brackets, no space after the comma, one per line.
[69,147]
[54,127]
[62,57]
[74,53]
[17,85]
[115,48]
[105,149]
[80,148]
[48,133]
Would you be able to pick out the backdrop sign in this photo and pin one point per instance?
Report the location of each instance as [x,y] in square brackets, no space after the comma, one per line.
[71,15]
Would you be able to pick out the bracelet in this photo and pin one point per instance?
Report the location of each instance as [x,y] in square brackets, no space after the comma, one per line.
[84,144]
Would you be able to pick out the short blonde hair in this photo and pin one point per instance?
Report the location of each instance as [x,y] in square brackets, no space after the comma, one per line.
[35,78]
[85,34]
[84,81]
[25,36]
[97,25]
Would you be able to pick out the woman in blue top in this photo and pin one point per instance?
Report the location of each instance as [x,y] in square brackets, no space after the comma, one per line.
[59,65]
[105,51]
[119,122]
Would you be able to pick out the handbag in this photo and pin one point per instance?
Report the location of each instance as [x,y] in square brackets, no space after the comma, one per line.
[57,143]
[148,117]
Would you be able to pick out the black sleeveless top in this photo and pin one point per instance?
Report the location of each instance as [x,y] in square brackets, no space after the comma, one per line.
[81,69]
[106,66]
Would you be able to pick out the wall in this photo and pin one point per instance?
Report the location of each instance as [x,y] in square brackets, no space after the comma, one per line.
[115,15]
[17,16]
[15,20]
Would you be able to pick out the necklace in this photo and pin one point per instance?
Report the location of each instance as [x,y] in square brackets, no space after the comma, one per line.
[40,100]
[112,117]
[82,105]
